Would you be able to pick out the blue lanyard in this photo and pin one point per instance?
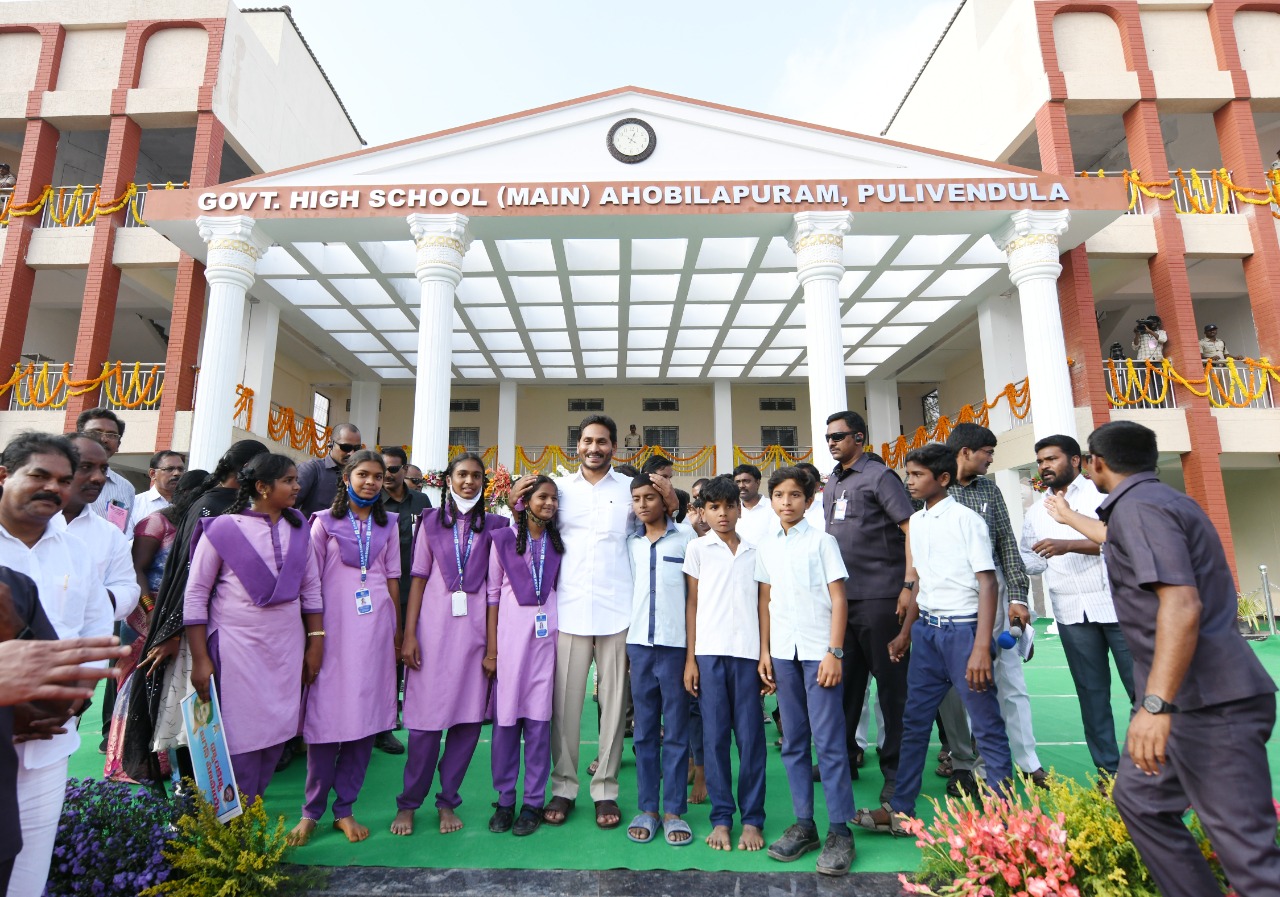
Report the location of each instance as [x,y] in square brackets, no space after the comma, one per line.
[537,570]
[362,546]
[459,555]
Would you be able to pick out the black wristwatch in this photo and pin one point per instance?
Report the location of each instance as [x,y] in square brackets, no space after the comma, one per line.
[910,585]
[1156,704]
[837,653]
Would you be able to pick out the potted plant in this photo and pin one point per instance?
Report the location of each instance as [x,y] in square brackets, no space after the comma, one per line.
[1250,609]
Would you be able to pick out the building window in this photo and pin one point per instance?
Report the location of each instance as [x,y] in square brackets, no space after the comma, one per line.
[464,404]
[931,408]
[586,404]
[320,409]
[660,405]
[467,437]
[783,436]
[666,437]
[571,441]
[777,404]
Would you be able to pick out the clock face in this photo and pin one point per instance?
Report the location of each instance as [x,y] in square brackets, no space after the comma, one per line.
[631,140]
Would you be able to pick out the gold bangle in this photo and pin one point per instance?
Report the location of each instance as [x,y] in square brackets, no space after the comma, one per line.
[318,632]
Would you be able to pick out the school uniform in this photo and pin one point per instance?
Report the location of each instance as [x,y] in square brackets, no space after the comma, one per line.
[1217,748]
[523,588]
[950,545]
[727,650]
[656,649]
[798,565]
[450,690]
[354,695]
[251,581]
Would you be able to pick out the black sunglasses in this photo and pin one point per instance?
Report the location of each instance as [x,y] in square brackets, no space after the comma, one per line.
[395,470]
[346,447]
[839,437]
[417,481]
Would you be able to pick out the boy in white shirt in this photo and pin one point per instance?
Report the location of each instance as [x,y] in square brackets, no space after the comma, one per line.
[722,664]
[802,623]
[951,551]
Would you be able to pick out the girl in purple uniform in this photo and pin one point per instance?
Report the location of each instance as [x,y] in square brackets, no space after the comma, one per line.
[523,571]
[357,550]
[253,617]
[446,686]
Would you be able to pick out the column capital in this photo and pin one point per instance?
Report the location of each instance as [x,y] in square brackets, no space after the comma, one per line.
[441,241]
[1030,240]
[235,244]
[817,239]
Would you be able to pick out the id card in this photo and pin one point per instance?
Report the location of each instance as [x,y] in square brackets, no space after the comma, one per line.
[118,515]
[459,604]
[364,603]
[839,509]
[540,625]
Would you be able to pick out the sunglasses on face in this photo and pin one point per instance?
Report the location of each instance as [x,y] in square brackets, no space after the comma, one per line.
[839,437]
[417,481]
[346,446]
[392,471]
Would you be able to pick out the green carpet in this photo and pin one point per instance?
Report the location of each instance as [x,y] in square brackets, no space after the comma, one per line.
[580,845]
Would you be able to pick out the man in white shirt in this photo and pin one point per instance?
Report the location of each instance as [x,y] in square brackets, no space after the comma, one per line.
[165,469]
[115,503]
[1076,578]
[757,519]
[36,472]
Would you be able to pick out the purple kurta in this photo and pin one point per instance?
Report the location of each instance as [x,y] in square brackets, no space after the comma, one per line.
[257,651]
[451,687]
[526,665]
[355,693]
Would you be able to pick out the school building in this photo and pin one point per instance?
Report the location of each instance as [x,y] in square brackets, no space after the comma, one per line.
[216,253]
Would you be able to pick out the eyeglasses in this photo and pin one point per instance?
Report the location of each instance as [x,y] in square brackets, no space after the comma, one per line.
[839,437]
[417,481]
[346,446]
[171,469]
[102,434]
[392,471]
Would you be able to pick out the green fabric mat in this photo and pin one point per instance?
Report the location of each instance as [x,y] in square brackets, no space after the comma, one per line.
[580,845]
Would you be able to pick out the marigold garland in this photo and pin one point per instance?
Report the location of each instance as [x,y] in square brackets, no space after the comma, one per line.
[50,389]
[62,203]
[1198,192]
[1018,395]
[1240,389]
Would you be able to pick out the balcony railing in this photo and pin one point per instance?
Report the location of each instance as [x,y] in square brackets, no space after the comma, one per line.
[1236,387]
[1191,191]
[771,457]
[71,206]
[1138,385]
[79,205]
[1236,383]
[46,386]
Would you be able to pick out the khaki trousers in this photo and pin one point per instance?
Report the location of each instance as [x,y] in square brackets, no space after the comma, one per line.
[574,654]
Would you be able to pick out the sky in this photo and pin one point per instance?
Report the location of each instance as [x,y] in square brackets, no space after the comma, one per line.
[409,67]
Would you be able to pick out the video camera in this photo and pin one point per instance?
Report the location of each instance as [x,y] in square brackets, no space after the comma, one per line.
[1150,322]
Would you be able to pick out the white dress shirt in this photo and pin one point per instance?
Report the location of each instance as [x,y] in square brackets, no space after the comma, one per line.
[815,514]
[758,522]
[1077,583]
[950,546]
[799,565]
[146,504]
[121,491]
[728,619]
[111,556]
[594,594]
[74,600]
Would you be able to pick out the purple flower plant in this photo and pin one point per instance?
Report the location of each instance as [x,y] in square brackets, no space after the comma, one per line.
[110,840]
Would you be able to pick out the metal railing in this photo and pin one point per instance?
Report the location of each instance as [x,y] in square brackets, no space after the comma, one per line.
[775,456]
[69,206]
[141,393]
[46,386]
[139,202]
[1207,194]
[1248,389]
[1143,387]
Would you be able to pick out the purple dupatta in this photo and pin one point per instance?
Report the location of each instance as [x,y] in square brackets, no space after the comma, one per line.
[518,567]
[263,586]
[440,540]
[340,529]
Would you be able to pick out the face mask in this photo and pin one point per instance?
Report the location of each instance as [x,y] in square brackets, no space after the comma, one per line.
[465,504]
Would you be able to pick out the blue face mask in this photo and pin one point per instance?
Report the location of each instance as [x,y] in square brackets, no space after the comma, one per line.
[358,501]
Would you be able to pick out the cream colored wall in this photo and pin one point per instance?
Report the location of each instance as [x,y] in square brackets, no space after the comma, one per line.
[174,58]
[74,13]
[487,417]
[1255,523]
[91,59]
[1257,36]
[19,58]
[748,418]
[543,418]
[963,385]
[991,50]
[1178,40]
[1088,42]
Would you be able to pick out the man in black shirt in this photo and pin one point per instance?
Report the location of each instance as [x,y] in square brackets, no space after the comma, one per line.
[318,479]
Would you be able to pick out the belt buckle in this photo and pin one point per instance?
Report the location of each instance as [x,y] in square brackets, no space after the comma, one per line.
[932,620]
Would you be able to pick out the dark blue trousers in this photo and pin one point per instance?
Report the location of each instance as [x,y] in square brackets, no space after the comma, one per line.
[662,727]
[810,711]
[1089,648]
[939,656]
[729,689]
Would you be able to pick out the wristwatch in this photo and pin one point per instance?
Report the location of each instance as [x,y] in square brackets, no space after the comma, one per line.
[837,653]
[1157,704]
[910,585]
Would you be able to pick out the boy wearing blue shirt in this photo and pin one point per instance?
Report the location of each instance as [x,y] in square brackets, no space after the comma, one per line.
[951,639]
[656,649]
[802,623]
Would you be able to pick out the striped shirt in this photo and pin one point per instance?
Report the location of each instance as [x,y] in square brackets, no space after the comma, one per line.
[1077,583]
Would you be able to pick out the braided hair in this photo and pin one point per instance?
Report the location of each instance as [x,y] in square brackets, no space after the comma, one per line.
[266,468]
[342,504]
[522,521]
[449,509]
[236,457]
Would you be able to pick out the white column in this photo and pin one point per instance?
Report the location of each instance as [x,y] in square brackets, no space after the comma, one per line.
[442,241]
[817,239]
[884,420]
[366,396]
[1030,239]
[235,245]
[722,418]
[1003,360]
[260,359]
[507,423]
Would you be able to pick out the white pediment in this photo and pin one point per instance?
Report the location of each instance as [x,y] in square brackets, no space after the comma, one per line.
[695,141]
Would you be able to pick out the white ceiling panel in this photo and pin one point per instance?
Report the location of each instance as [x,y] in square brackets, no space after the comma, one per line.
[476,259]
[501,340]
[633,371]
[491,318]
[725,252]
[596,315]
[962,281]
[704,315]
[654,287]
[725,370]
[532,290]
[649,315]
[543,317]
[359,342]
[894,336]
[646,339]
[772,287]
[866,250]
[758,315]
[594,288]
[560,373]
[481,291]
[872,354]
[598,339]
[894,284]
[478,373]
[550,340]
[929,249]
[557,359]
[599,357]
[851,335]
[657,255]
[713,287]
[767,370]
[644,356]
[338,319]
[778,254]
[527,255]
[868,312]
[689,338]
[682,371]
[591,255]
[920,311]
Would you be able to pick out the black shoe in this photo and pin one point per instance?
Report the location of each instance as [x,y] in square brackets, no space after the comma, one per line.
[527,822]
[860,759]
[102,745]
[388,744]
[962,783]
[500,821]
[795,842]
[836,856]
[285,758]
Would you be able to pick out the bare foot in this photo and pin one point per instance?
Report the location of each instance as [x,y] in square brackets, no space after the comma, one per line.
[301,833]
[403,823]
[352,829]
[699,793]
[752,838]
[720,839]
[449,821]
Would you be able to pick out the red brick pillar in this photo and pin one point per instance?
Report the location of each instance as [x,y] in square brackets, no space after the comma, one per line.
[1172,289]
